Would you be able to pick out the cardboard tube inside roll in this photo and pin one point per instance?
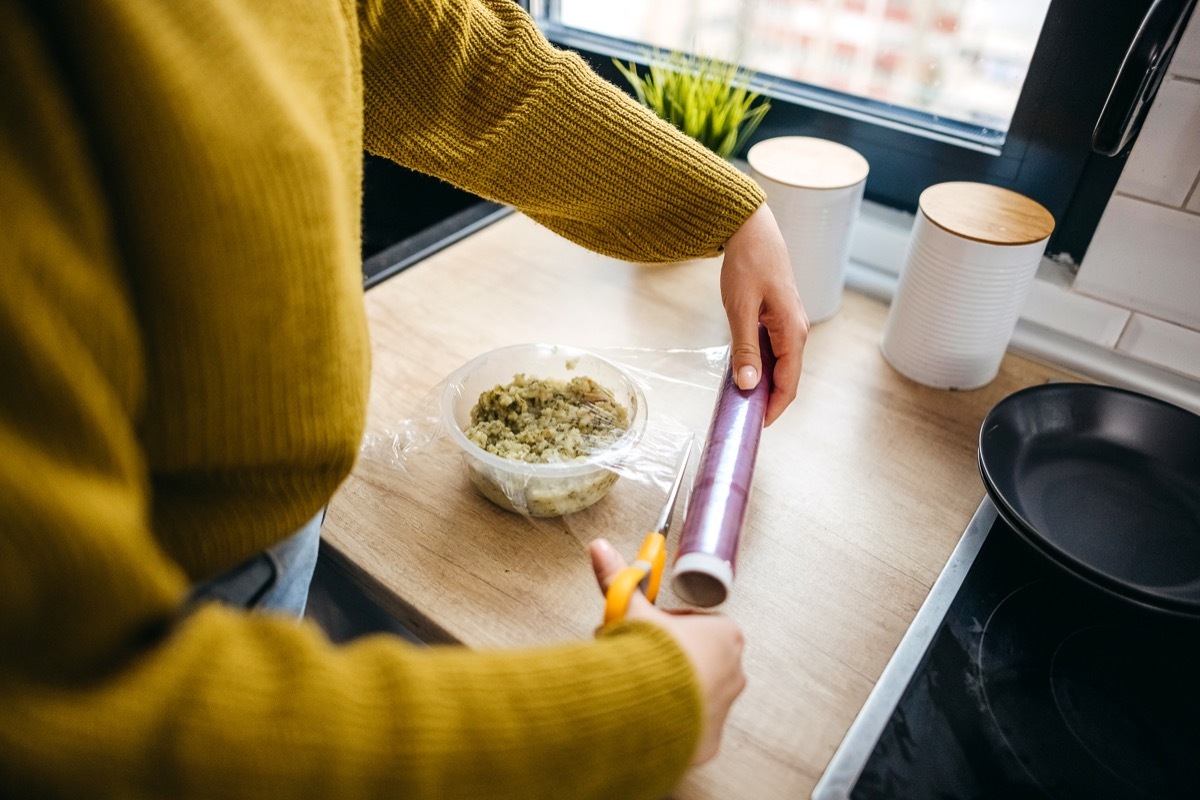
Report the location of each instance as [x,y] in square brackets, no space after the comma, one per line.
[712,527]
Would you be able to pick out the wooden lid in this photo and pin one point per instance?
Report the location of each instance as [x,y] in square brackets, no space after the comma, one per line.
[808,163]
[986,213]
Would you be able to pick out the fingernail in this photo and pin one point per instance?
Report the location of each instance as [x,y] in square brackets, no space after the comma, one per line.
[747,378]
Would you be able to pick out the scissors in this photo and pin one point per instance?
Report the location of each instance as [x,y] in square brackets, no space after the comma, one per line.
[646,572]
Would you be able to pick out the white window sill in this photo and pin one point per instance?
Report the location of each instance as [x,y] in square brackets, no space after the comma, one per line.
[1057,326]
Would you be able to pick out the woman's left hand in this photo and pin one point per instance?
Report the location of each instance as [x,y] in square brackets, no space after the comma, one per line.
[757,285]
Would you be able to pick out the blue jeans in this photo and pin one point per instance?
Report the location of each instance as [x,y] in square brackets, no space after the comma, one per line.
[275,580]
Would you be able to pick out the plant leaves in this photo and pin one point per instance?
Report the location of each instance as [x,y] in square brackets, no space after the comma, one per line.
[707,99]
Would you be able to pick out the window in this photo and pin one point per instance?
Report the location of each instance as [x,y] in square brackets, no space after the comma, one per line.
[1001,91]
[962,60]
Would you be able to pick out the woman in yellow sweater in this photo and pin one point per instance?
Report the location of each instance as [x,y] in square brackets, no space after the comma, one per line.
[184,361]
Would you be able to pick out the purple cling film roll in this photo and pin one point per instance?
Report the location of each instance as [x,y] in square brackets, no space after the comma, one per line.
[712,527]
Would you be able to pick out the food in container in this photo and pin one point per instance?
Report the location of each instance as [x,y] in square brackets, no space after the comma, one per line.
[568,473]
[544,420]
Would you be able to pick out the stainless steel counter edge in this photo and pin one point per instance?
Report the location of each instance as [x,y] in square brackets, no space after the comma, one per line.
[852,754]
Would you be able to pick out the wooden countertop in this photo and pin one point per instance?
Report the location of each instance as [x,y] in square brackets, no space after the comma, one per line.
[861,490]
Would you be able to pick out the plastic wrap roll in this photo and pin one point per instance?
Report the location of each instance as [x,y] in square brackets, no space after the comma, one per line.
[712,527]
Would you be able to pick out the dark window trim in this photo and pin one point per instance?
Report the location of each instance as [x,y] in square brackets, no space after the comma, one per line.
[400,256]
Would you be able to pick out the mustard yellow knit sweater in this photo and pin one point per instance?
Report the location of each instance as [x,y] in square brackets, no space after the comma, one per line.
[183,373]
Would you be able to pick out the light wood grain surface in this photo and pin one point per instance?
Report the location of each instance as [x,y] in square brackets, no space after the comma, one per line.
[861,490]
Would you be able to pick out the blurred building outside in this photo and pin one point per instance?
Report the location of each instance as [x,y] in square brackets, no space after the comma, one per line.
[963,60]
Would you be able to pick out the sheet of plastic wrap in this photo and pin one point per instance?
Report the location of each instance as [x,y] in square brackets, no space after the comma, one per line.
[677,388]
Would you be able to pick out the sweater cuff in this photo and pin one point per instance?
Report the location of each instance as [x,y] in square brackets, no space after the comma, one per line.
[618,717]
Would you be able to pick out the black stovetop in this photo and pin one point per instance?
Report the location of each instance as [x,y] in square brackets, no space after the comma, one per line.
[1029,684]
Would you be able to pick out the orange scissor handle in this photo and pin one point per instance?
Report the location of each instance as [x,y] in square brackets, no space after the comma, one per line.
[654,553]
[645,574]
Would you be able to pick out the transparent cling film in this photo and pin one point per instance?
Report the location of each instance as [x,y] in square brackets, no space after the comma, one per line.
[615,492]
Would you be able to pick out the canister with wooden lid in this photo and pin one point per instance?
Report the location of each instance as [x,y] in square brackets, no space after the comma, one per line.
[972,257]
[814,188]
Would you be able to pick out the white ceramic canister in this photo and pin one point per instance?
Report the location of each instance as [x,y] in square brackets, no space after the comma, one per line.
[814,188]
[972,257]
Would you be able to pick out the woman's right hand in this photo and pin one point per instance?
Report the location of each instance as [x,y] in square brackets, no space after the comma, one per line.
[712,642]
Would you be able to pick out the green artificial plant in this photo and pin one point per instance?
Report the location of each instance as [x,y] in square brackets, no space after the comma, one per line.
[709,100]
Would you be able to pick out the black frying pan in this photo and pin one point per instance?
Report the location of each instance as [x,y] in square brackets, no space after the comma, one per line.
[1106,483]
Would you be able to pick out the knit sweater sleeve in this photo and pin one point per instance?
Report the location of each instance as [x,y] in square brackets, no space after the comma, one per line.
[103,695]
[107,691]
[239,706]
[470,91]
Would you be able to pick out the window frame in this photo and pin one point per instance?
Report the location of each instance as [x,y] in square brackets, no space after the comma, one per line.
[1046,154]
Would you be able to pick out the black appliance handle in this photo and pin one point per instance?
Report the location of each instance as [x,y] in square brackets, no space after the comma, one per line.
[1141,73]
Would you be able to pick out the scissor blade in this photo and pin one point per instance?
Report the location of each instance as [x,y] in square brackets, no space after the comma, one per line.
[664,519]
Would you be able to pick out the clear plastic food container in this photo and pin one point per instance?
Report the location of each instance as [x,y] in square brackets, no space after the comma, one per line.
[541,490]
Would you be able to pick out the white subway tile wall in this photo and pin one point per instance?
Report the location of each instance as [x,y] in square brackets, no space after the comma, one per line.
[1145,255]
[1164,164]
[1162,343]
[1186,62]
[1058,308]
